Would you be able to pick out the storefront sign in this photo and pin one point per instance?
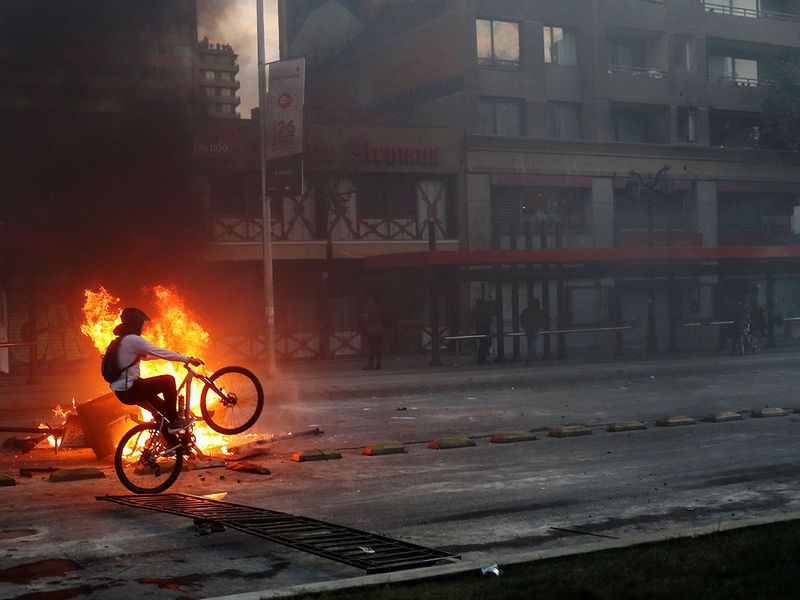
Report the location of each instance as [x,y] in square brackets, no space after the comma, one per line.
[362,150]
[285,108]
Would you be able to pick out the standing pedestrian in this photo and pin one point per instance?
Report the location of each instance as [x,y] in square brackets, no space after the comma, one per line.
[483,326]
[533,319]
[372,326]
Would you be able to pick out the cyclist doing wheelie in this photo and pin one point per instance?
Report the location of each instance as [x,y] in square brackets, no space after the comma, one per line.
[125,352]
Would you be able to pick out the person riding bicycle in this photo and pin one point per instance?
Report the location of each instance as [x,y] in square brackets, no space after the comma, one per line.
[132,389]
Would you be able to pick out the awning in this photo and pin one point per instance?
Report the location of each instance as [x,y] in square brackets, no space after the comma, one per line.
[618,255]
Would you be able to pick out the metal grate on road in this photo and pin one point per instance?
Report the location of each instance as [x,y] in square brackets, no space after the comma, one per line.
[373,553]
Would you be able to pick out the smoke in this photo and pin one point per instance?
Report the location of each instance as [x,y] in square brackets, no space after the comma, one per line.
[234,22]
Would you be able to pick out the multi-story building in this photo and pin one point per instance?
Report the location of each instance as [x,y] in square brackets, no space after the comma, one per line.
[90,57]
[104,133]
[563,111]
[218,71]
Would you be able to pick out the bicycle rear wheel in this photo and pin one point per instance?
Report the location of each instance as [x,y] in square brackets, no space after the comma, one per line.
[232,401]
[141,464]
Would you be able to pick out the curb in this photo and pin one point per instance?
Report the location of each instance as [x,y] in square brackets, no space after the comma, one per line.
[384,448]
[561,431]
[315,454]
[511,437]
[625,426]
[676,421]
[569,431]
[774,411]
[448,443]
[474,566]
[724,417]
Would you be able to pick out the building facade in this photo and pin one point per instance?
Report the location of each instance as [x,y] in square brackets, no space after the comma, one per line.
[218,71]
[562,105]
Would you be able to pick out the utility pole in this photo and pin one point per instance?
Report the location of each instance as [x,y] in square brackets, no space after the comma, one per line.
[266,216]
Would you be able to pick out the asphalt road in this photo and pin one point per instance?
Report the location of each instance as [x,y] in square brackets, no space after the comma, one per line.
[484,502]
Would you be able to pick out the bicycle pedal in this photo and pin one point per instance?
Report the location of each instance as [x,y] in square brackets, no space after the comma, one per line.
[183,427]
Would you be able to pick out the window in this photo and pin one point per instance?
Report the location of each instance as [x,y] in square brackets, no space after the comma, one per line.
[497,42]
[501,116]
[732,69]
[628,126]
[226,109]
[226,93]
[559,46]
[211,92]
[182,51]
[567,205]
[387,197]
[626,52]
[682,54]
[209,75]
[687,124]
[565,120]
[225,76]
[734,129]
[675,212]
[640,123]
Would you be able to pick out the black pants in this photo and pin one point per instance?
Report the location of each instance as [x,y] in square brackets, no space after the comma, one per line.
[530,337]
[145,393]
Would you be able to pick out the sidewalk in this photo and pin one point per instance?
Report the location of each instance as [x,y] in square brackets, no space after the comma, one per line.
[410,374]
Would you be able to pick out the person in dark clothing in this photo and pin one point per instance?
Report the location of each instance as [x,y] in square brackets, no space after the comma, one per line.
[157,395]
[483,326]
[372,326]
[532,320]
[741,323]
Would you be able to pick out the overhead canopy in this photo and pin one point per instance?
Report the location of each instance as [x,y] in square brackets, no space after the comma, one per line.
[618,255]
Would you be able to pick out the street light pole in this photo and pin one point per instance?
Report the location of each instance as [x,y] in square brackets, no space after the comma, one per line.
[266,216]
[660,183]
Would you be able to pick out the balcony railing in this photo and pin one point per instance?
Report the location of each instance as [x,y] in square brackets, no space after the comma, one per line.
[498,63]
[725,9]
[738,81]
[241,229]
[650,72]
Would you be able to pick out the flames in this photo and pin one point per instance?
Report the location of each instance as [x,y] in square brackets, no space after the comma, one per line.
[173,326]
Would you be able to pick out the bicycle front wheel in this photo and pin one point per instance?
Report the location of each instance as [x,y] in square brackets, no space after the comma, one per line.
[141,464]
[232,400]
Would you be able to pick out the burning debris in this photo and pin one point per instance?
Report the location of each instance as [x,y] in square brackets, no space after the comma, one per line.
[173,326]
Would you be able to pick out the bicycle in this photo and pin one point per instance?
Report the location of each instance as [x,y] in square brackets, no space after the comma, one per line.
[230,402]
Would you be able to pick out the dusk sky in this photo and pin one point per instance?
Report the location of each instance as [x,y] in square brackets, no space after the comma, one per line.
[234,22]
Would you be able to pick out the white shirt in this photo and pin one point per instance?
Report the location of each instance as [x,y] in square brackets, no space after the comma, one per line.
[133,346]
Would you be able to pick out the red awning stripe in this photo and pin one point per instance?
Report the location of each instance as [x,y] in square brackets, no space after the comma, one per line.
[581,255]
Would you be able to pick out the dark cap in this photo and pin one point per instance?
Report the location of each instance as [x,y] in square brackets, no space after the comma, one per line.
[132,321]
[133,315]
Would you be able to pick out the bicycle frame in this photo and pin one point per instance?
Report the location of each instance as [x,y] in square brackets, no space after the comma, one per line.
[186,385]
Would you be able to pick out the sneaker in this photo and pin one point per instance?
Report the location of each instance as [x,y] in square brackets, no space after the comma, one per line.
[182,424]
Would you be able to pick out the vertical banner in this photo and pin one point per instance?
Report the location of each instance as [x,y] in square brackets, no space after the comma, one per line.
[285,97]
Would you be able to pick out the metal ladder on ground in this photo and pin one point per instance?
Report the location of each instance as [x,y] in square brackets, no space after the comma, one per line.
[368,551]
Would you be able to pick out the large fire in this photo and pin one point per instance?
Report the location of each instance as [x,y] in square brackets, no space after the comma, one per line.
[172,327]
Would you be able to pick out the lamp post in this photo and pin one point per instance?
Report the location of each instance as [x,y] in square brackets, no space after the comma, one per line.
[548,218]
[650,187]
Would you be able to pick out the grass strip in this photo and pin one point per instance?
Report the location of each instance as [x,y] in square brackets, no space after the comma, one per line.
[748,563]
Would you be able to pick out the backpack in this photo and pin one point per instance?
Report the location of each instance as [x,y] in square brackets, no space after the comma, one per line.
[109,363]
